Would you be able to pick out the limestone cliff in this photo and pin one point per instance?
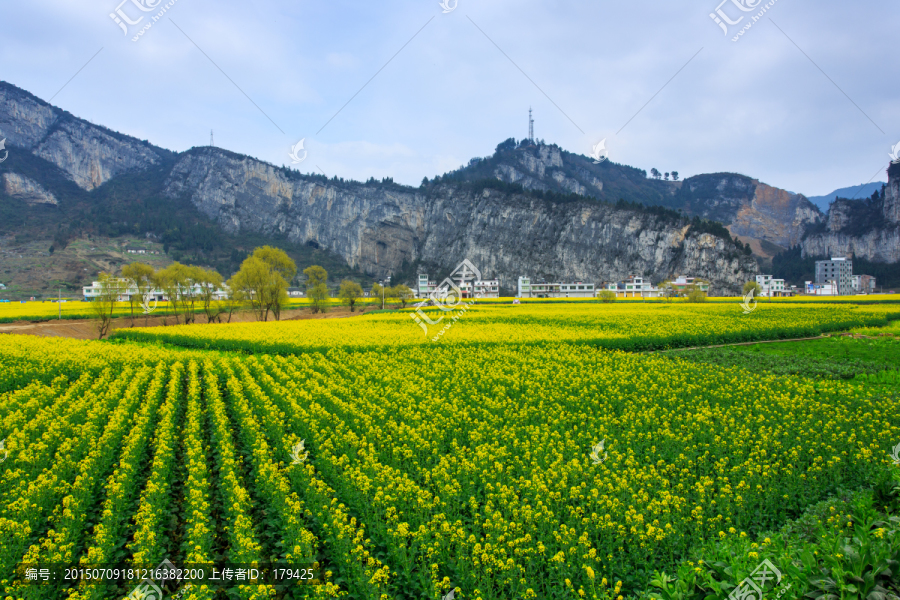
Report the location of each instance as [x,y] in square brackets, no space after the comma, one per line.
[565,221]
[379,227]
[749,208]
[90,154]
[868,228]
[22,188]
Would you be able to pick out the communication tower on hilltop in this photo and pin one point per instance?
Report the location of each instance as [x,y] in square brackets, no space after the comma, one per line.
[211,138]
[530,125]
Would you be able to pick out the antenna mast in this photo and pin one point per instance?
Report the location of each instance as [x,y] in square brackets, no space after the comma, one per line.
[530,125]
[211,144]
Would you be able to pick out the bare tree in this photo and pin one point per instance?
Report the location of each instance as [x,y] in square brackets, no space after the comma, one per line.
[141,276]
[104,303]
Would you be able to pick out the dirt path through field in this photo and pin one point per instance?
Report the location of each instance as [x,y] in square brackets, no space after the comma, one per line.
[85,329]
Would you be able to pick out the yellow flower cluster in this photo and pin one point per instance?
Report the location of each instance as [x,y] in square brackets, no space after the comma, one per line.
[613,326]
[459,465]
[122,485]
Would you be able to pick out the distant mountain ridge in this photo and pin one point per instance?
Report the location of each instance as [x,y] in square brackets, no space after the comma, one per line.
[854,192]
[382,228]
[749,208]
[72,175]
[90,154]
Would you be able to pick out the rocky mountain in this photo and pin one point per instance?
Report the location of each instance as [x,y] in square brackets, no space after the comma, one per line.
[868,228]
[378,228]
[549,168]
[769,218]
[753,210]
[91,155]
[22,188]
[528,210]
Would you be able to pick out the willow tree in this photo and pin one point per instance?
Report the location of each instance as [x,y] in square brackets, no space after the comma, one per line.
[350,293]
[141,277]
[104,302]
[262,281]
[210,282]
[317,288]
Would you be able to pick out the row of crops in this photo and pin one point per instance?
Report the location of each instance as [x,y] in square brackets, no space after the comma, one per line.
[76,309]
[428,469]
[614,326]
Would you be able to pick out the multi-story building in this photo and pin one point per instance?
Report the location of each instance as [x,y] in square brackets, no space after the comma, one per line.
[863,284]
[682,283]
[487,288]
[633,287]
[484,288]
[576,289]
[424,287]
[769,287]
[125,288]
[524,289]
[837,272]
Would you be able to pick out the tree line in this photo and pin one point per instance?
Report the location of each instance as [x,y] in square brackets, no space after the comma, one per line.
[260,286]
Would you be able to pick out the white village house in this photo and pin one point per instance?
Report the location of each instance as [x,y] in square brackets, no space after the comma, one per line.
[484,288]
[543,289]
[771,288]
[633,287]
[126,288]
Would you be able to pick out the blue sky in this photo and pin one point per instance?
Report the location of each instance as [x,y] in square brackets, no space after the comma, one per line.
[810,107]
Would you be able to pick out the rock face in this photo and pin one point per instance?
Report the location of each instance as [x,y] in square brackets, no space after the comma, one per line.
[22,188]
[878,245]
[378,228]
[867,229]
[748,207]
[532,169]
[775,215]
[549,168]
[891,208]
[91,155]
[545,231]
